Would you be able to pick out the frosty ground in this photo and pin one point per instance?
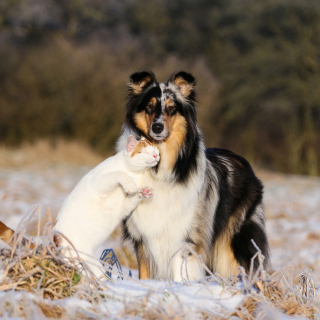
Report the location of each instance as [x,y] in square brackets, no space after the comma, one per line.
[292,206]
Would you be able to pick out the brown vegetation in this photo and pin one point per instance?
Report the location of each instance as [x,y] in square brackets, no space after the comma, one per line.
[44,272]
[44,153]
[65,65]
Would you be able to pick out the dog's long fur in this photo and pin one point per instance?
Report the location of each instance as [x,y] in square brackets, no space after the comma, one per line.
[209,198]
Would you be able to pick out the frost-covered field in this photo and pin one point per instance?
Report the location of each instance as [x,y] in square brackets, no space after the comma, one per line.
[292,205]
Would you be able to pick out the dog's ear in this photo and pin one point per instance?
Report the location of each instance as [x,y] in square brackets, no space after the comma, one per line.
[139,81]
[185,82]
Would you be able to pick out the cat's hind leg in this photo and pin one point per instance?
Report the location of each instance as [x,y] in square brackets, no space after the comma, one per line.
[95,266]
[79,257]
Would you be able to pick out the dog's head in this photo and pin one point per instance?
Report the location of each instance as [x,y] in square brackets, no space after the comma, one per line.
[156,110]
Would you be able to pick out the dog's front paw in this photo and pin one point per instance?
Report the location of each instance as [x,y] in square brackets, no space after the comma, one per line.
[146,193]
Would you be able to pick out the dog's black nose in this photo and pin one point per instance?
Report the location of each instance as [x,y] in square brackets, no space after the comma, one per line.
[157,127]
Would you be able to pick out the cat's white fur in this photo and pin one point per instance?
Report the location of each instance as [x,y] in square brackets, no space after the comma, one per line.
[102,198]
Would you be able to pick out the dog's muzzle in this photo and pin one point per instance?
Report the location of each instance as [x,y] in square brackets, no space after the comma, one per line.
[157,128]
[158,131]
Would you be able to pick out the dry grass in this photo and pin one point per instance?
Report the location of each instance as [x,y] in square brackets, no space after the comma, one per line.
[145,308]
[285,298]
[283,292]
[43,153]
[40,268]
[44,272]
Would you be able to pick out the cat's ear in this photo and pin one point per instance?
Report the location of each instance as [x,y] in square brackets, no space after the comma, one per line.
[131,143]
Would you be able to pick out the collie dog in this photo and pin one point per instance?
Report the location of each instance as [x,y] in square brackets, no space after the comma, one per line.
[207,198]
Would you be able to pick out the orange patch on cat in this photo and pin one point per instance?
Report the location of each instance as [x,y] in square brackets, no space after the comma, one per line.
[141,144]
[6,233]
[7,236]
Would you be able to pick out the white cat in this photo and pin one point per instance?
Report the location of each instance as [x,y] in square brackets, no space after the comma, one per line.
[104,197]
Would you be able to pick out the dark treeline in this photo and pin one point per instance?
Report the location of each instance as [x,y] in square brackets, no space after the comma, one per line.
[64,66]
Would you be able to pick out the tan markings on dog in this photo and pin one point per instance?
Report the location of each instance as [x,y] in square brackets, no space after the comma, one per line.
[143,271]
[143,263]
[184,86]
[137,88]
[141,121]
[153,101]
[224,261]
[169,103]
[141,144]
[177,126]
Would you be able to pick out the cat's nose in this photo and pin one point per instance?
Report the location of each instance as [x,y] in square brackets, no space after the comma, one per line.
[157,127]
[155,156]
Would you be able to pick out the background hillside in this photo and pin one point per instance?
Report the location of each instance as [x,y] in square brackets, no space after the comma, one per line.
[64,66]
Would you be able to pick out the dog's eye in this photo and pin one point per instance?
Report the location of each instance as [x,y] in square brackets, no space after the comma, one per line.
[170,108]
[150,106]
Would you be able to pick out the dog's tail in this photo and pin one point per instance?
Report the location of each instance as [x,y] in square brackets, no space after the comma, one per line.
[7,235]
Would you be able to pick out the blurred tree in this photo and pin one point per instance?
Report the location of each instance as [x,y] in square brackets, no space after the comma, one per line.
[63,67]
[269,67]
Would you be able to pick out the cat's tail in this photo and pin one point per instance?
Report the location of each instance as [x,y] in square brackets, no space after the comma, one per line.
[8,235]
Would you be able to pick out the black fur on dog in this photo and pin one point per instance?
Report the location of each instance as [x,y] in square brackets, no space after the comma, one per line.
[214,199]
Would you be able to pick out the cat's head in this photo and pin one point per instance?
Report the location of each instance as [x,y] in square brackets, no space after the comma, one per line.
[141,155]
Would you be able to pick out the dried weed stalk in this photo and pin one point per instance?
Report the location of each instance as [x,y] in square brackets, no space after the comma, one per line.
[42,269]
[39,267]
[276,291]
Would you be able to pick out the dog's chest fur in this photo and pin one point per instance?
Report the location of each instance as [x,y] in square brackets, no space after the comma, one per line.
[165,221]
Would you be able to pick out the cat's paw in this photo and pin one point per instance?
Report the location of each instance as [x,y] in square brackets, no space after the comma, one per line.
[130,188]
[145,193]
